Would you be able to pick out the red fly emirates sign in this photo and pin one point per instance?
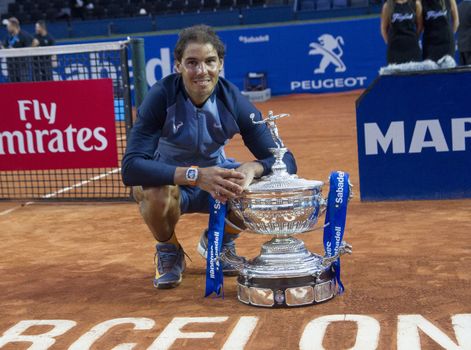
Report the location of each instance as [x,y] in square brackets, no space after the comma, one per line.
[57,125]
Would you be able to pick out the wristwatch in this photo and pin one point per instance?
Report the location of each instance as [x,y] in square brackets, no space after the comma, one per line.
[191,175]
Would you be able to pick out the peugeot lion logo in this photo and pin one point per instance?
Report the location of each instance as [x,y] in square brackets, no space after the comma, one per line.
[331,50]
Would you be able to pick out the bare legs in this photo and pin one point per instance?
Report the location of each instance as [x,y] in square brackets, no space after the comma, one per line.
[160,208]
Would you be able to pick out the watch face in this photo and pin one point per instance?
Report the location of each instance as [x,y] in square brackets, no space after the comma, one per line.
[191,174]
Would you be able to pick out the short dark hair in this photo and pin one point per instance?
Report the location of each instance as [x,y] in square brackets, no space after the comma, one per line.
[42,23]
[14,22]
[201,34]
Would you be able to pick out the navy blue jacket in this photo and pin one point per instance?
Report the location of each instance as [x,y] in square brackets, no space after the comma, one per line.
[170,131]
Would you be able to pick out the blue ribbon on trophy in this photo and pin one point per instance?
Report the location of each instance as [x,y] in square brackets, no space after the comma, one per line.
[214,275]
[335,219]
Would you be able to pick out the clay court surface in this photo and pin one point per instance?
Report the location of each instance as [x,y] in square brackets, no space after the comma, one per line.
[93,262]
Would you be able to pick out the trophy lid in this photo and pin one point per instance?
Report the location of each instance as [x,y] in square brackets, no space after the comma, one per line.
[286,183]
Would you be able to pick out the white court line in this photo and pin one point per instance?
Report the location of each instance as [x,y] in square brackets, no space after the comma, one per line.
[80,184]
[8,211]
[63,190]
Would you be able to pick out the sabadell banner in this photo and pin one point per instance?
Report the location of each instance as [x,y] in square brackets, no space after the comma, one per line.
[332,56]
[303,58]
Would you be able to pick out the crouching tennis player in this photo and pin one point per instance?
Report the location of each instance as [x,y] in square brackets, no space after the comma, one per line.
[175,154]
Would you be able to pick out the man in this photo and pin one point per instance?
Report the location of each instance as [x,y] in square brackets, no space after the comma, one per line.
[42,37]
[464,32]
[42,65]
[175,153]
[18,68]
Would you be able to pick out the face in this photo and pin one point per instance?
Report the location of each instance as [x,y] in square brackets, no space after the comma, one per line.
[200,67]
[11,28]
[38,29]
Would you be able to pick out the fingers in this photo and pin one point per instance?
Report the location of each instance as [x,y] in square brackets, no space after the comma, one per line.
[231,173]
[243,183]
[231,182]
[224,192]
[222,184]
[231,186]
[239,182]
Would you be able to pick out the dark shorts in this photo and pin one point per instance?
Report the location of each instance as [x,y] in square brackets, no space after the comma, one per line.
[465,58]
[194,199]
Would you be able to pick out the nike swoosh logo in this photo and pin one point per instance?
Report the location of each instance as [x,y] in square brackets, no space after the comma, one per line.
[176,127]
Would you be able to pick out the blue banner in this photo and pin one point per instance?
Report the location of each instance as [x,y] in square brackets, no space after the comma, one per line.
[297,58]
[339,55]
[334,56]
[214,274]
[414,136]
[335,219]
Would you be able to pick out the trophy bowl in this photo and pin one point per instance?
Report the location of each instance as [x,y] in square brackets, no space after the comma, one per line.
[266,209]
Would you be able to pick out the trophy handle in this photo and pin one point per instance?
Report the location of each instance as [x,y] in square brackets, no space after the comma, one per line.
[344,248]
[350,187]
[322,205]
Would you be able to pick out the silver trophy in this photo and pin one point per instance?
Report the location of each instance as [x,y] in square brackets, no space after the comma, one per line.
[285,274]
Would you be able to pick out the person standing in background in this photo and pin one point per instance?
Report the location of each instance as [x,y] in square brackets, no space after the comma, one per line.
[464,32]
[42,37]
[438,39]
[401,24]
[18,68]
[42,65]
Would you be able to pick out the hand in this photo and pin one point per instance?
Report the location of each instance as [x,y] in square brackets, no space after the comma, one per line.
[251,170]
[222,184]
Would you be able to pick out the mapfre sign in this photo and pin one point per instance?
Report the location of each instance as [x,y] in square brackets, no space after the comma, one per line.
[414,136]
[57,125]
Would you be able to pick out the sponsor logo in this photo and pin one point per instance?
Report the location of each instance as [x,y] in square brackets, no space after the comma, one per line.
[44,127]
[400,17]
[338,233]
[176,127]
[214,252]
[30,141]
[435,14]
[426,134]
[341,181]
[327,84]
[330,49]
[254,39]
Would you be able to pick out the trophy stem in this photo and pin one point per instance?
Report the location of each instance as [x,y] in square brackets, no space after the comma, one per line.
[279,167]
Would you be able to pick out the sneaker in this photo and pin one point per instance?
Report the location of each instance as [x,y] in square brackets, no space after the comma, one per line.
[170,264]
[227,244]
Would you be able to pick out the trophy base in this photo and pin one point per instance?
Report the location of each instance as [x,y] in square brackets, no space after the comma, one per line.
[286,292]
[285,274]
